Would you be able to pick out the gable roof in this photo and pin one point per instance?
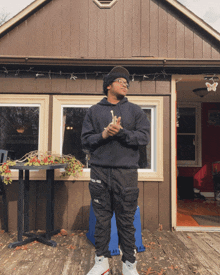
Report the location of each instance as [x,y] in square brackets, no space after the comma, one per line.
[194,18]
[37,4]
[22,15]
[161,33]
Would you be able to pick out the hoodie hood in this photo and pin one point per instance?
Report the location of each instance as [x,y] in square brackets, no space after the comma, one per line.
[105,102]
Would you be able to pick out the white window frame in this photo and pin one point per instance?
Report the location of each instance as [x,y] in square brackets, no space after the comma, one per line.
[198,138]
[41,101]
[154,103]
[153,136]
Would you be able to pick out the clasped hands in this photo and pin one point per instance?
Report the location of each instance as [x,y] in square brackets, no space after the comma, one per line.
[113,128]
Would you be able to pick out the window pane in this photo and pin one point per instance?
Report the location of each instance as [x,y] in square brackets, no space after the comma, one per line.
[145,151]
[72,121]
[19,130]
[187,120]
[186,147]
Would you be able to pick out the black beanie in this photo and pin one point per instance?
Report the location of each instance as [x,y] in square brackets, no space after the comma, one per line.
[116,72]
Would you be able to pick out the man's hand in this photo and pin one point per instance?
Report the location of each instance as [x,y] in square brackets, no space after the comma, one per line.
[112,129]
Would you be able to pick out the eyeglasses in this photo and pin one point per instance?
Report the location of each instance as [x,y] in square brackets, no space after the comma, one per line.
[122,82]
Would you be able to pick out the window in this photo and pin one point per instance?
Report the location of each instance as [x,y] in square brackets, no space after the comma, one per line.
[71,115]
[105,4]
[72,119]
[189,135]
[145,161]
[24,126]
[19,129]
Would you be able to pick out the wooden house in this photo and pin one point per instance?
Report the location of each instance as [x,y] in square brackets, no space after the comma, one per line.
[53,56]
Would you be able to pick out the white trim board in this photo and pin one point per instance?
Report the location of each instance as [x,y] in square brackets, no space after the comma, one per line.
[198,228]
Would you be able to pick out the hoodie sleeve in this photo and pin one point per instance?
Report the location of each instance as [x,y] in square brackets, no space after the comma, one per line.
[89,138]
[141,134]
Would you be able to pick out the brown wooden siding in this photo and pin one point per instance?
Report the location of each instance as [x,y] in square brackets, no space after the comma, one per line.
[131,28]
[72,199]
[11,85]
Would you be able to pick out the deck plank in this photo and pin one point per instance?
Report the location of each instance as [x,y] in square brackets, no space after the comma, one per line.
[167,253]
[181,258]
[198,253]
[207,252]
[210,241]
[187,255]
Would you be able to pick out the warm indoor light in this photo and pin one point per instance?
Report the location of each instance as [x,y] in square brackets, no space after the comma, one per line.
[20,130]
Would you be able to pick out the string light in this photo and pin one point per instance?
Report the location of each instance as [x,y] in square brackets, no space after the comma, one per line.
[17,72]
[38,75]
[5,70]
[74,76]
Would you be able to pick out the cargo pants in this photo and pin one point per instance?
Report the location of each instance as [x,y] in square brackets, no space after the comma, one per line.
[114,190]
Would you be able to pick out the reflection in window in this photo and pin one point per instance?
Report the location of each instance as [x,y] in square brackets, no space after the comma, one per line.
[186,147]
[187,120]
[186,134]
[19,130]
[72,127]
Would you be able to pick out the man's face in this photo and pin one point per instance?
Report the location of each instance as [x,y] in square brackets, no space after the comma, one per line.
[118,88]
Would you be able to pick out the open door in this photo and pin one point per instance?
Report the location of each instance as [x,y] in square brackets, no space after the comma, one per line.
[197,148]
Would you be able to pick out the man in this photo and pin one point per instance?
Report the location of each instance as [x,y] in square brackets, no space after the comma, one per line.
[112,131]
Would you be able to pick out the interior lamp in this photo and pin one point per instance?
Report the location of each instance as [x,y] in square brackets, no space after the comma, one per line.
[201,92]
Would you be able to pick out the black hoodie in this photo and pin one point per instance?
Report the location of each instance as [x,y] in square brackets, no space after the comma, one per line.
[120,150]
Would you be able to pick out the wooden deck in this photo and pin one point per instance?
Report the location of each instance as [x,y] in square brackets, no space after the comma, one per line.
[166,253]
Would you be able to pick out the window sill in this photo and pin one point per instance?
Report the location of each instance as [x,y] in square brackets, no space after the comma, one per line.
[142,176]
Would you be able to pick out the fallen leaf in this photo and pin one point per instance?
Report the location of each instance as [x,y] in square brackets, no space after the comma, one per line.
[23,247]
[71,247]
[57,235]
[63,232]
[150,271]
[160,227]
[161,272]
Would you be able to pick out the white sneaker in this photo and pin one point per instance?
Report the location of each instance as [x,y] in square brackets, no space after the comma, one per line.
[129,268]
[101,266]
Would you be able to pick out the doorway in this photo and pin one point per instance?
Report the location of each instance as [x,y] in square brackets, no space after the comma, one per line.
[198,149]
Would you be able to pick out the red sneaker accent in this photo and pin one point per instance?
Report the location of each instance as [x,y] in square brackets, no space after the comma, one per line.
[105,272]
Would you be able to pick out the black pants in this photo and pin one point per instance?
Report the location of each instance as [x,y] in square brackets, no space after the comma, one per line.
[114,189]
